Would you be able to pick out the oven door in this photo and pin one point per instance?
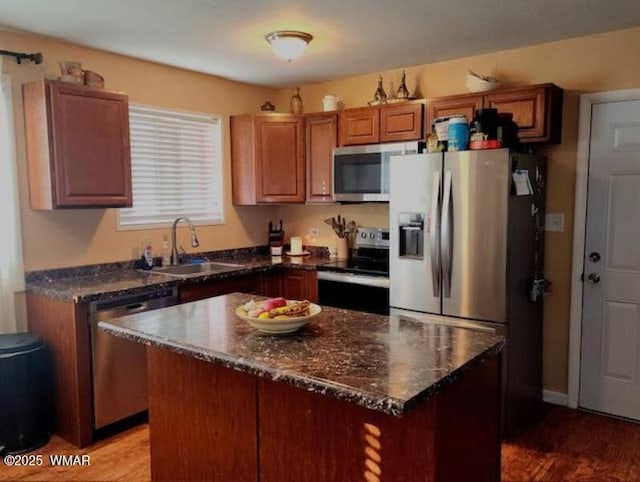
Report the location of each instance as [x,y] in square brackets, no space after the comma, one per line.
[354,292]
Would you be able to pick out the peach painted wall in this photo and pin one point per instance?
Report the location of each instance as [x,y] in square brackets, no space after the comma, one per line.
[86,236]
[586,64]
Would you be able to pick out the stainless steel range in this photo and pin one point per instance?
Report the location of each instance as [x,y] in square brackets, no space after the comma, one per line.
[360,282]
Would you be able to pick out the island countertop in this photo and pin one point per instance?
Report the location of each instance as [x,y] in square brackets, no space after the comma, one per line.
[385,363]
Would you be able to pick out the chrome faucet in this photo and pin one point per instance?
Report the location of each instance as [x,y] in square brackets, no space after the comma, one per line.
[174,248]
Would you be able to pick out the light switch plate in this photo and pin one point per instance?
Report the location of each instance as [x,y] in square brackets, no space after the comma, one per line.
[554,222]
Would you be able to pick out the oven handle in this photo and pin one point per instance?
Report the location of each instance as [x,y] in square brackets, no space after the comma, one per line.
[376,281]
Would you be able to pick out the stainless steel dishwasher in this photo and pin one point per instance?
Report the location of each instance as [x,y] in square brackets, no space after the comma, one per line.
[119,366]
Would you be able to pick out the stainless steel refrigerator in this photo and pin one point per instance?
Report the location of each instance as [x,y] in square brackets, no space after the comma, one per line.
[466,246]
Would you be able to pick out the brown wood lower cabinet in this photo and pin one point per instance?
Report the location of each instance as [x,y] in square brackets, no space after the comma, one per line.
[295,284]
[199,291]
[64,327]
[209,422]
[196,407]
[300,284]
[271,284]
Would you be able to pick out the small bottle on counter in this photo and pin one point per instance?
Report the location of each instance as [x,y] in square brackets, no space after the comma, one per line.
[166,252]
[147,254]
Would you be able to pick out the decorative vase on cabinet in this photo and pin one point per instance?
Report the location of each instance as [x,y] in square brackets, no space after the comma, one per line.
[296,101]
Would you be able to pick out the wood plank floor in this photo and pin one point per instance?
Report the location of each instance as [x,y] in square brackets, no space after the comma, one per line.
[122,457]
[567,445]
[571,445]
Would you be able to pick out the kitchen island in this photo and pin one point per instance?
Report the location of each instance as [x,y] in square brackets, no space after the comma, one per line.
[351,396]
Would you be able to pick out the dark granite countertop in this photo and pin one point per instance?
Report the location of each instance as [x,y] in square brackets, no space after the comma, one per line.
[112,280]
[385,363]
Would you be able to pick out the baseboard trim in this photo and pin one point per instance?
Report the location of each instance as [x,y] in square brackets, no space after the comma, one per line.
[557,398]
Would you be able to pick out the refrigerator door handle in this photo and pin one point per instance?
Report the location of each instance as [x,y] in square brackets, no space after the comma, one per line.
[446,236]
[434,230]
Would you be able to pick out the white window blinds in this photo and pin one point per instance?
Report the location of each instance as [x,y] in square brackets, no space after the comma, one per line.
[176,164]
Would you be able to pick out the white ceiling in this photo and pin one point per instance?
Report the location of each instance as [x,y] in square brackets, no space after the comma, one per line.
[226,37]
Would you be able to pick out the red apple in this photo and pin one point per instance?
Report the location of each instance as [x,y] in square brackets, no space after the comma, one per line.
[271,303]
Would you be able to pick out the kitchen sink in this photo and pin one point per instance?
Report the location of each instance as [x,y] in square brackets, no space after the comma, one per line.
[184,270]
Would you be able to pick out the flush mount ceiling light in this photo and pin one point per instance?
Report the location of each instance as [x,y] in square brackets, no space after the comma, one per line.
[288,44]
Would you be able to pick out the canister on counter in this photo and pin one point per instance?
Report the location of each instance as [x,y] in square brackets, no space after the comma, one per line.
[440,127]
[458,133]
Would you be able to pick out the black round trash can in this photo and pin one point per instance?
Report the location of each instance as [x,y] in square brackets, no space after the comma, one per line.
[25,393]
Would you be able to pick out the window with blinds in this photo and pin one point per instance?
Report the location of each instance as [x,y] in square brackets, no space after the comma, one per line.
[176,168]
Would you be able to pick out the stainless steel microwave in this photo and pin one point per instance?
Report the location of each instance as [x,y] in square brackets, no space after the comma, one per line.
[361,173]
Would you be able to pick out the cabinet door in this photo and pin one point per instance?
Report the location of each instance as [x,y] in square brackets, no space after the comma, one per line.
[90,147]
[360,126]
[280,159]
[321,138]
[301,284]
[454,105]
[198,291]
[401,122]
[312,286]
[271,284]
[537,110]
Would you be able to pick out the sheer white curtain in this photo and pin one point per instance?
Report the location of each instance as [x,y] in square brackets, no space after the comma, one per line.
[11,265]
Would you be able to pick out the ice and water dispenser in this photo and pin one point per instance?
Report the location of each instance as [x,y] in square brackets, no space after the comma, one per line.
[411,235]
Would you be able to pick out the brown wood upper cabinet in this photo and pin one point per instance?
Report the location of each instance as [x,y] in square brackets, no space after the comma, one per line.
[321,137]
[77,146]
[267,158]
[386,123]
[401,122]
[537,109]
[360,126]
[453,105]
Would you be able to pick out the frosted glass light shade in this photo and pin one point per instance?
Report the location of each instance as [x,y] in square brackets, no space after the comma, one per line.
[288,44]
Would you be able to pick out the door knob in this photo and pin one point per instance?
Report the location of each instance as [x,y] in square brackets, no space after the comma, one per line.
[594,257]
[593,278]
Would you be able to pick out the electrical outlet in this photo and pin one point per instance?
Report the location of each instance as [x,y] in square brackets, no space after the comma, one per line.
[554,222]
[314,232]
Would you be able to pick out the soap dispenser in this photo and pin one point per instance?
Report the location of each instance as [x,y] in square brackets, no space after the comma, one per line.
[147,254]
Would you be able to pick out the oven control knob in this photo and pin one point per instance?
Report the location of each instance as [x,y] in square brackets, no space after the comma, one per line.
[363,235]
[371,235]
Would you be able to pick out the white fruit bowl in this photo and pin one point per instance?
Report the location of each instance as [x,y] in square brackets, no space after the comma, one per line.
[278,326]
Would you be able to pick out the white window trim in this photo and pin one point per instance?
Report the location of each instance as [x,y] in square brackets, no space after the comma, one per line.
[223,220]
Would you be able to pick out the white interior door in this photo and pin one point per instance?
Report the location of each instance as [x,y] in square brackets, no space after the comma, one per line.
[610,354]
